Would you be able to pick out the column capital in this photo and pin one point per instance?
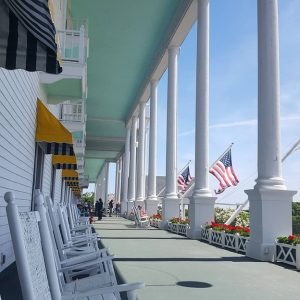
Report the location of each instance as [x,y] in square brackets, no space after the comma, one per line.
[153,82]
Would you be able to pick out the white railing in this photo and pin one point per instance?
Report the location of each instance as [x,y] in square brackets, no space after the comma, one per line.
[288,254]
[72,112]
[225,240]
[178,228]
[73,45]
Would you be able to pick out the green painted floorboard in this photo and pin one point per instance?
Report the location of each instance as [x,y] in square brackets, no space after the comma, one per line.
[164,260]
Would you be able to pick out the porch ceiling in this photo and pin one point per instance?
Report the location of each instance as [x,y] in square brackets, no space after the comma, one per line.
[126,39]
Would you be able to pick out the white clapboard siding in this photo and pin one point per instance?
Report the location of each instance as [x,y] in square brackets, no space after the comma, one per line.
[47,175]
[18,93]
[57,188]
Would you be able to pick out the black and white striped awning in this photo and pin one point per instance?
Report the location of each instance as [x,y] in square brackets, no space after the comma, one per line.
[58,149]
[73,184]
[70,178]
[66,166]
[27,36]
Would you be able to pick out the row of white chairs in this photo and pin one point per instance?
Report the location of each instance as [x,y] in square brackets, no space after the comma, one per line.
[57,254]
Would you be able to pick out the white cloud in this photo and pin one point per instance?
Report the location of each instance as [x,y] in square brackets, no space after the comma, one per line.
[251,122]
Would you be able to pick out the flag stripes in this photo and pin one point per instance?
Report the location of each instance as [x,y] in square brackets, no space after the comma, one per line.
[224,172]
[184,179]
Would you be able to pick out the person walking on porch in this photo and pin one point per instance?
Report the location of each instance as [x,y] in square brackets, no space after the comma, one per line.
[110,206]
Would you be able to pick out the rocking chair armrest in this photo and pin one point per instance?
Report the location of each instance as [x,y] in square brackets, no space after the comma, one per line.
[127,287]
[88,263]
[83,242]
[81,227]
[73,245]
[79,259]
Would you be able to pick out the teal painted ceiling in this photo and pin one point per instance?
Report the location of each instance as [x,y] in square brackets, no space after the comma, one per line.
[124,39]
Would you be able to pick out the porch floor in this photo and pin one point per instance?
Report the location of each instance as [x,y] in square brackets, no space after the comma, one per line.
[174,267]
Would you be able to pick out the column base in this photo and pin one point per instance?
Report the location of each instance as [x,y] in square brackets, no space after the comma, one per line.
[201,211]
[270,217]
[124,208]
[170,209]
[129,207]
[151,206]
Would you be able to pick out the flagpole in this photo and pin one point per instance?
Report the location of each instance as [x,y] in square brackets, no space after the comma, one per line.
[230,146]
[178,173]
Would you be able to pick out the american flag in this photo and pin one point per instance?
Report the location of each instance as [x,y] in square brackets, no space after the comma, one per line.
[184,179]
[224,172]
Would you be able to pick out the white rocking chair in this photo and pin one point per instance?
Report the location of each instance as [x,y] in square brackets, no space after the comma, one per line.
[36,265]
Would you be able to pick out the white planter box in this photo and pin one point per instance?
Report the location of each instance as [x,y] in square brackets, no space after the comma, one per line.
[182,228]
[225,240]
[288,254]
[241,243]
[178,228]
[155,223]
[217,238]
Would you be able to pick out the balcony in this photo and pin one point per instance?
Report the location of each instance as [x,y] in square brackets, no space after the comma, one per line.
[72,115]
[79,147]
[84,182]
[73,48]
[73,45]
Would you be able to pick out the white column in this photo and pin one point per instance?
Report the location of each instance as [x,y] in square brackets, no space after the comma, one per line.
[106,174]
[140,195]
[151,202]
[125,173]
[201,208]
[117,181]
[170,204]
[269,200]
[132,166]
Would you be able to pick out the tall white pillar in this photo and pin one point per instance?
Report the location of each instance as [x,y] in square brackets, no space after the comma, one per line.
[201,208]
[105,179]
[170,204]
[132,166]
[152,202]
[140,195]
[117,181]
[269,200]
[125,173]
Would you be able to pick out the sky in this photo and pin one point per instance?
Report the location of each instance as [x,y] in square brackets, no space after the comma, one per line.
[233,95]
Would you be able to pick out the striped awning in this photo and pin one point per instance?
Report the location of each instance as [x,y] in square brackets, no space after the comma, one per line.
[72,184]
[51,133]
[64,162]
[27,36]
[69,175]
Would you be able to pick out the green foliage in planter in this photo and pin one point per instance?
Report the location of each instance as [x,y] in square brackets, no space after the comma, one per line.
[290,240]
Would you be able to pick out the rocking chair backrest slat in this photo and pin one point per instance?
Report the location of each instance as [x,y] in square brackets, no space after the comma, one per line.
[56,231]
[48,247]
[28,251]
